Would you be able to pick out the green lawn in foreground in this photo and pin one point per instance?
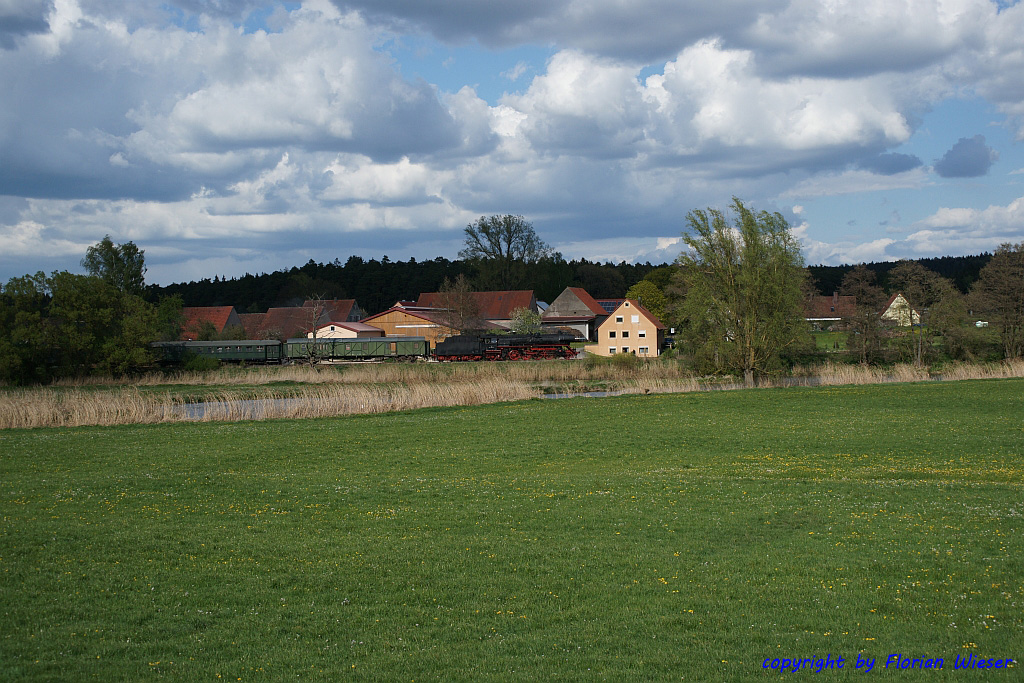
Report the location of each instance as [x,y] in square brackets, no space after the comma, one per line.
[639,537]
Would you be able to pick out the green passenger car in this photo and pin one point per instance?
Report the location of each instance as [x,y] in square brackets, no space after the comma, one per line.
[367,348]
[247,350]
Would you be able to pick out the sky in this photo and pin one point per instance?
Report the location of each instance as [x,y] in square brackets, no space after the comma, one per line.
[232,136]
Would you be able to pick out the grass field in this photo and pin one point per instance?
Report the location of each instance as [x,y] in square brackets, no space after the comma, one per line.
[660,537]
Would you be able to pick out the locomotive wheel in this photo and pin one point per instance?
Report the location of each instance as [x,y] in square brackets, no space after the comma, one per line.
[513,355]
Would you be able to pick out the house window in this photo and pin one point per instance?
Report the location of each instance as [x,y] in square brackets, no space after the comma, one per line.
[611,350]
[625,349]
[332,328]
[642,334]
[635,319]
[611,334]
[643,350]
[625,333]
[618,318]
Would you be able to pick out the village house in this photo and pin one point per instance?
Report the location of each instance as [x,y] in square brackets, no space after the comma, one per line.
[825,312]
[898,311]
[630,328]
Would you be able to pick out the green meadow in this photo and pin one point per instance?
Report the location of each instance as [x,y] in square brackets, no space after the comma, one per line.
[660,537]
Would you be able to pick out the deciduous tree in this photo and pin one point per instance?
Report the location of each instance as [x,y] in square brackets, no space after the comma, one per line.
[500,246]
[923,289]
[459,306]
[866,323]
[743,280]
[123,266]
[999,292]
[525,321]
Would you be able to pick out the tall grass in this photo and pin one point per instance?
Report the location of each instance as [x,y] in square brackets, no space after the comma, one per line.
[833,374]
[408,373]
[127,405]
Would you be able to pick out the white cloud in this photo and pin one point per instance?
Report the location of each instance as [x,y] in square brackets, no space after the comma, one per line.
[856,182]
[357,178]
[846,38]
[516,72]
[720,93]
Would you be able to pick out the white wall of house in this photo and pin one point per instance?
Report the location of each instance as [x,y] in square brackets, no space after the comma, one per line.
[901,312]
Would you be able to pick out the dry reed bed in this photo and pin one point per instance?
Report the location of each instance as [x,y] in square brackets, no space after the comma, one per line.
[831,374]
[73,408]
[408,373]
[463,384]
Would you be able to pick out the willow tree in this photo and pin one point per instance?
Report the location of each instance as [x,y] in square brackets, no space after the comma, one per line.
[743,275]
[123,266]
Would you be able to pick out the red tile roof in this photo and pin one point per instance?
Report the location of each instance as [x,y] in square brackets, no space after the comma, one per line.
[285,323]
[825,307]
[193,318]
[334,309]
[490,305]
[252,323]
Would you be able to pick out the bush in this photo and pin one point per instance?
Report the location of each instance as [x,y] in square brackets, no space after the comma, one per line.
[197,363]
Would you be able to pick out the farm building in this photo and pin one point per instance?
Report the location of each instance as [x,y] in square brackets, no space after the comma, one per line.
[285,322]
[574,309]
[402,322]
[346,330]
[200,321]
[825,311]
[494,307]
[337,310]
[630,328]
[898,311]
[251,322]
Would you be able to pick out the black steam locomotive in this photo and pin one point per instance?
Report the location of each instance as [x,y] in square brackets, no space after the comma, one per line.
[465,347]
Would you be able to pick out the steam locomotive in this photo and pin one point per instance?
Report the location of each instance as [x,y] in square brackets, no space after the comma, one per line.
[465,347]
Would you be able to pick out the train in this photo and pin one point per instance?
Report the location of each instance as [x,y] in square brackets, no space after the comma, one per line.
[458,348]
[471,347]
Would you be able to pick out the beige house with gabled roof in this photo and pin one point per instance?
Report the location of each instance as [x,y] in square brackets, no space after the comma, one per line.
[899,311]
[630,328]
